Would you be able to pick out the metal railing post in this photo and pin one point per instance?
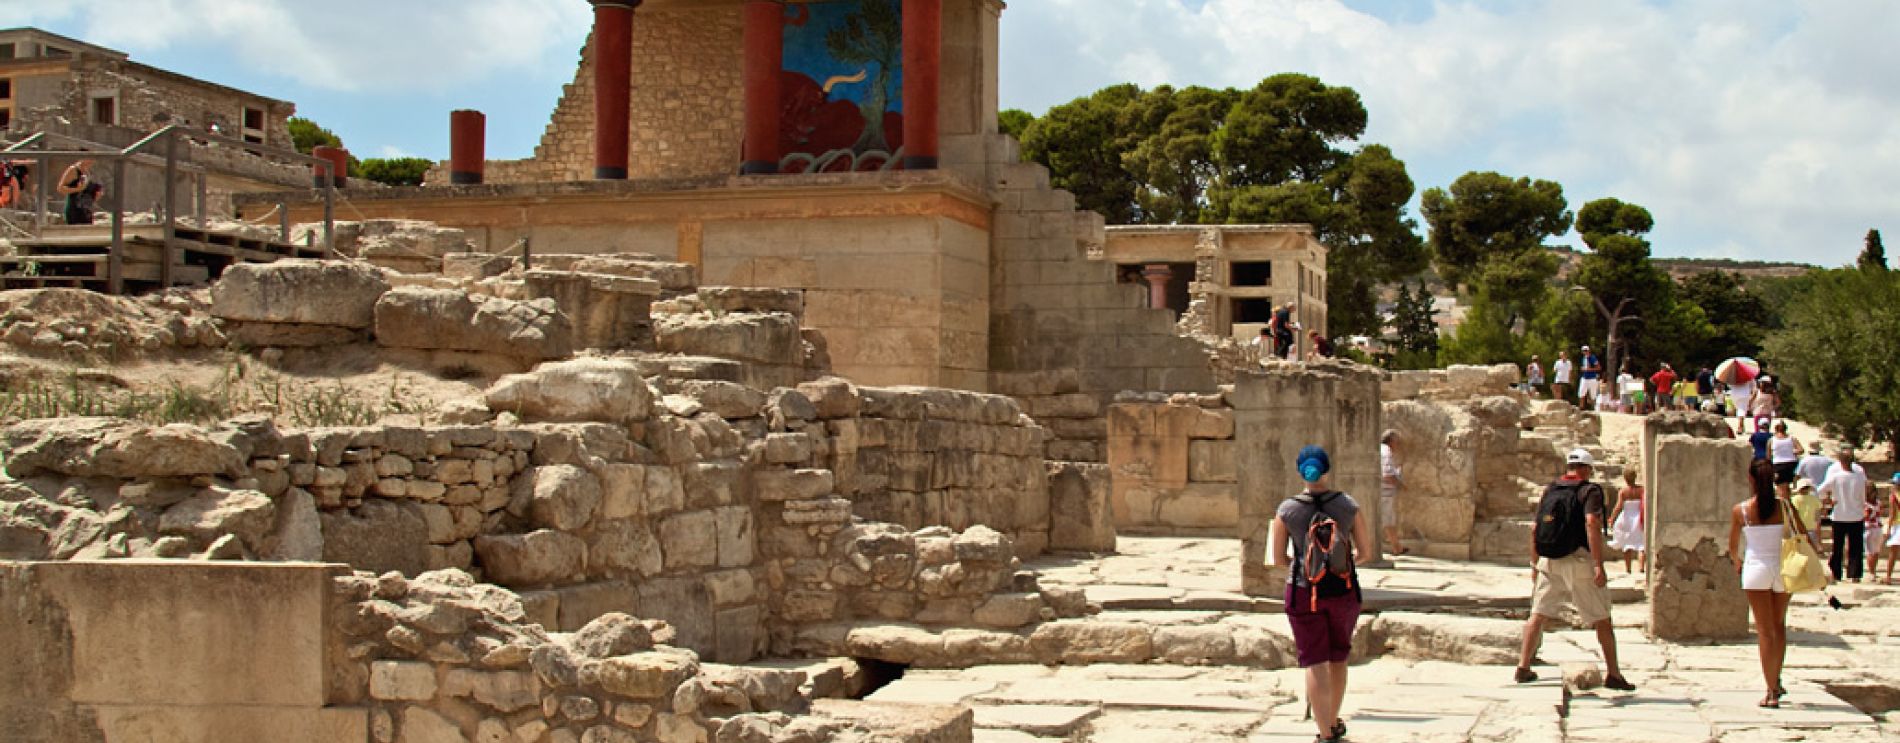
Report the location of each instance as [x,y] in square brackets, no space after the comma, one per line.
[283,222]
[171,212]
[115,260]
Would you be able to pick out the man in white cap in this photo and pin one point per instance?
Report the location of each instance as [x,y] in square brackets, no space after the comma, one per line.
[1568,543]
[1591,383]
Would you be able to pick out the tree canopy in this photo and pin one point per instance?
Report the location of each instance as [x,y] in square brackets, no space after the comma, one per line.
[306,135]
[394,171]
[1281,152]
[1836,354]
[1874,255]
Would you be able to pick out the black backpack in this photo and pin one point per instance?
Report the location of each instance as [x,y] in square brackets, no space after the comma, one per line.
[1561,525]
[1327,562]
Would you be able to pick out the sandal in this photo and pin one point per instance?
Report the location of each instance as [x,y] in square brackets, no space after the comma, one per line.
[1339,729]
[1772,702]
[1526,675]
[1618,683]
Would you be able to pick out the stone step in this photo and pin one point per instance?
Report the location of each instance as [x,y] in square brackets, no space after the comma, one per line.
[1055,721]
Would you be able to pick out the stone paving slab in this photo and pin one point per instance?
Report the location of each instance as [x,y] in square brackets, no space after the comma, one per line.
[1055,721]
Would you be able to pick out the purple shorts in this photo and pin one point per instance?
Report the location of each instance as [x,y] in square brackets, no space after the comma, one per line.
[1322,634]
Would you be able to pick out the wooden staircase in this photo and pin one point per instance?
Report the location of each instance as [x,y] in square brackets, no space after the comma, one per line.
[81,256]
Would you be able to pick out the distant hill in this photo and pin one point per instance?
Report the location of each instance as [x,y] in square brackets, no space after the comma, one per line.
[1682,268]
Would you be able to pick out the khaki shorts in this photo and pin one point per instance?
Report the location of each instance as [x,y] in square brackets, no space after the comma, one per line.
[1570,581]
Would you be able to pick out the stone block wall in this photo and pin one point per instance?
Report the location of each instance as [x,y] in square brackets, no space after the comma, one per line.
[1172,466]
[944,458]
[1465,495]
[688,104]
[1281,410]
[1698,475]
[1453,383]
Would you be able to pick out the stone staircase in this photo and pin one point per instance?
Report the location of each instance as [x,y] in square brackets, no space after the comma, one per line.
[1553,429]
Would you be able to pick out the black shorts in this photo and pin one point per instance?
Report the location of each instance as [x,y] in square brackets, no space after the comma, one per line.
[1784,473]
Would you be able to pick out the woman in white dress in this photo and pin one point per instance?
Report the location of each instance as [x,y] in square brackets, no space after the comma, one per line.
[1626,524]
[1756,526]
[1893,533]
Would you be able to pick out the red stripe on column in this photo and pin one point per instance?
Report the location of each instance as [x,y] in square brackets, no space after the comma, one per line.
[613,86]
[923,62]
[764,58]
[468,134]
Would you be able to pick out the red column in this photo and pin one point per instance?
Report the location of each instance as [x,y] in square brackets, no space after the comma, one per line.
[339,163]
[764,60]
[923,62]
[613,86]
[1157,275]
[468,133]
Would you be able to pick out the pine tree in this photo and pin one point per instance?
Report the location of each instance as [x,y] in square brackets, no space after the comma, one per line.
[1874,256]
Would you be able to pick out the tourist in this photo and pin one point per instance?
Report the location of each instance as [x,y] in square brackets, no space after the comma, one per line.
[1760,438]
[1534,377]
[1874,533]
[1560,377]
[1664,380]
[1756,526]
[1568,543]
[1323,529]
[1893,529]
[1322,346]
[1807,508]
[1705,386]
[1590,387]
[1845,491]
[81,192]
[1627,391]
[1283,326]
[1785,453]
[1626,530]
[1813,467]
[1767,399]
[1741,397]
[1391,480]
[1685,395]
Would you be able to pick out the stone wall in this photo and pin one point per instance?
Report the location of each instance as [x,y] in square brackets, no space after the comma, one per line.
[1699,474]
[1452,383]
[1172,466]
[1281,410]
[127,650]
[1468,492]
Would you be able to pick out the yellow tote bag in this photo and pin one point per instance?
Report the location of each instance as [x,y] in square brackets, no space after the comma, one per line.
[1801,568]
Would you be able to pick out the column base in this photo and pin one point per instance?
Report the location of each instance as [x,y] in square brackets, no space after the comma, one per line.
[758,167]
[465,179]
[610,174]
[920,162]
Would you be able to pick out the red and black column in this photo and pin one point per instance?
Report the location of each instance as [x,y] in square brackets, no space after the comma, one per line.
[923,62]
[764,61]
[338,174]
[468,133]
[613,86]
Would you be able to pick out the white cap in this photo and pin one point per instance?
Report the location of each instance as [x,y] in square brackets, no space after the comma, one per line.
[1580,456]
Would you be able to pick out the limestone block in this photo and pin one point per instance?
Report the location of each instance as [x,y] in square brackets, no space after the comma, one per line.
[793,485]
[690,539]
[402,680]
[581,390]
[625,547]
[767,339]
[726,399]
[648,675]
[378,536]
[895,643]
[440,319]
[1194,644]
[1450,638]
[1009,610]
[787,448]
[736,537]
[298,291]
[1079,514]
[732,299]
[504,691]
[1211,461]
[420,725]
[115,448]
[622,490]
[606,311]
[246,513]
[1081,642]
[832,398]
[538,558]
[612,634]
[564,497]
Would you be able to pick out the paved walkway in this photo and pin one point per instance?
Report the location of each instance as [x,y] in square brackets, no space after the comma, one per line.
[1687,693]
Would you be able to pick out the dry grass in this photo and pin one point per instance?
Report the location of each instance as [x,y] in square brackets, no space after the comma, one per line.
[239,387]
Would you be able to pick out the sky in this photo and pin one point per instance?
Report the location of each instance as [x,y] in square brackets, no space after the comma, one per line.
[1751,129]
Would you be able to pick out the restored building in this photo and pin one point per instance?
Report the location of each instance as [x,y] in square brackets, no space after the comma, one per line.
[848,148]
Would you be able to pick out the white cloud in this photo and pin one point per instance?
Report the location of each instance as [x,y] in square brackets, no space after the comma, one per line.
[341,45]
[1748,126]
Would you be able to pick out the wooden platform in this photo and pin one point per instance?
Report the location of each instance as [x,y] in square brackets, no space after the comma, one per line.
[80,256]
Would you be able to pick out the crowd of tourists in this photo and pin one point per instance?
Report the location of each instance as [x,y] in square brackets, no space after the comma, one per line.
[1774,543]
[1751,392]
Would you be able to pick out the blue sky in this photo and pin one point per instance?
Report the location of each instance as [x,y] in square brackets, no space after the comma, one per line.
[1755,129]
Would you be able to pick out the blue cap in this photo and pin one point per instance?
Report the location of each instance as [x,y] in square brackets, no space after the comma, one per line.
[1896,478]
[1313,463]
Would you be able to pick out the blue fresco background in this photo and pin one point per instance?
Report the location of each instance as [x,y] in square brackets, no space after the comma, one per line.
[805,52]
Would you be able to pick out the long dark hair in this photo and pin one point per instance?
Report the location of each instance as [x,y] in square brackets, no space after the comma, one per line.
[1761,477]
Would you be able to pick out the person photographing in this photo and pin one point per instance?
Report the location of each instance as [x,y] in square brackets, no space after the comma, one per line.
[1320,538]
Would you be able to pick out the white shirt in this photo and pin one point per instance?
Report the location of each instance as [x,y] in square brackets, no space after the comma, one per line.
[1388,464]
[1848,487]
[1560,371]
[1783,447]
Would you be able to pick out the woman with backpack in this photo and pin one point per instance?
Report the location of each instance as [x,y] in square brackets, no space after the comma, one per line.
[1314,534]
[1756,527]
